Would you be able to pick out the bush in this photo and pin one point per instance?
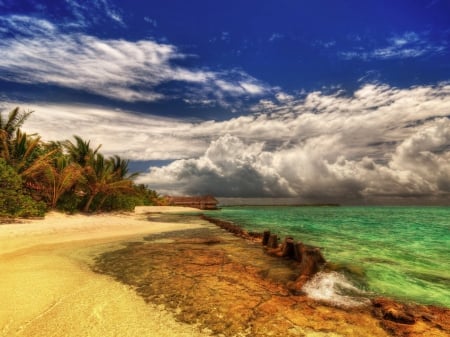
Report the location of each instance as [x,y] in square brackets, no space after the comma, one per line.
[13,201]
[69,202]
[119,202]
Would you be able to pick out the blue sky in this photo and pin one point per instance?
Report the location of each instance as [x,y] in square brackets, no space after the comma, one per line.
[314,100]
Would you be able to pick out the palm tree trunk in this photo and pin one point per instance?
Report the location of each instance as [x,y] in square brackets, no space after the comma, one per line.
[88,204]
[100,204]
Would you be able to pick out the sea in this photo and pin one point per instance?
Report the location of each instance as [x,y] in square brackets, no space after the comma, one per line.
[397,252]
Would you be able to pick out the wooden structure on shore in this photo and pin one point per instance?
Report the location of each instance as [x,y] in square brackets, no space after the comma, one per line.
[206,202]
[309,259]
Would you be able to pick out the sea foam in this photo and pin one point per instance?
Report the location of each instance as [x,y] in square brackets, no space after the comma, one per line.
[335,289]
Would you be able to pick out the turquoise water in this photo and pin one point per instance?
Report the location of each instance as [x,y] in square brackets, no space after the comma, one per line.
[399,252]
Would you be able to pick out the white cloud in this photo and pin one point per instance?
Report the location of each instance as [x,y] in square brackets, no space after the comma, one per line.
[283,97]
[88,12]
[399,46]
[130,135]
[229,167]
[380,142]
[119,69]
[252,88]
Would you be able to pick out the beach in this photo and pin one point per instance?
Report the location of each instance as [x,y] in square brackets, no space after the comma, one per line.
[155,273]
[47,288]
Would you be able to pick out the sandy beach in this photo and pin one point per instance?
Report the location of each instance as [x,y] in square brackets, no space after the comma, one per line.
[47,288]
[166,278]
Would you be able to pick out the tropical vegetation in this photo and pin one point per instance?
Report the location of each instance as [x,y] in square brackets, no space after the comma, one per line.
[36,176]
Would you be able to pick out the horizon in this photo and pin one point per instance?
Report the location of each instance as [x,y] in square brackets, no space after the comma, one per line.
[230,202]
[321,102]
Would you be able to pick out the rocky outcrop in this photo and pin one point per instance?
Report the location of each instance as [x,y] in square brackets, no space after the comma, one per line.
[411,320]
[309,259]
[232,287]
[233,228]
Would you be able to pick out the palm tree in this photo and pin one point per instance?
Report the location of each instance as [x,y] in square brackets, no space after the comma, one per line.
[58,177]
[26,155]
[20,150]
[8,129]
[15,120]
[80,152]
[101,178]
[120,168]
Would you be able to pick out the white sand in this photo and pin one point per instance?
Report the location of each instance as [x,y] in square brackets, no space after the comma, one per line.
[47,288]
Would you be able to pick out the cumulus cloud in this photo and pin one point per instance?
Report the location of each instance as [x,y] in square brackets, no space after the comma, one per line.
[228,168]
[379,143]
[126,70]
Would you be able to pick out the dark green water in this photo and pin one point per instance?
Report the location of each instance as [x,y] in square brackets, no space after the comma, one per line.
[399,252]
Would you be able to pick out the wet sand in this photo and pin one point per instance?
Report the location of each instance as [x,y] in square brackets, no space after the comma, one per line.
[48,289]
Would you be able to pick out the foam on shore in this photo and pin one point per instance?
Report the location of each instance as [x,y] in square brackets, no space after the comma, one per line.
[334,288]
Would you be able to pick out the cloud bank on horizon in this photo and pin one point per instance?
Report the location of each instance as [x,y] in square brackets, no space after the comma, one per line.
[375,127]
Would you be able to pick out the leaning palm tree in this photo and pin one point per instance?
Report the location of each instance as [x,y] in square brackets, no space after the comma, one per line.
[57,178]
[20,150]
[25,154]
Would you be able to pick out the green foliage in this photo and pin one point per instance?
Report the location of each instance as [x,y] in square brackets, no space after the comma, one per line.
[69,176]
[69,202]
[13,201]
[146,196]
[118,202]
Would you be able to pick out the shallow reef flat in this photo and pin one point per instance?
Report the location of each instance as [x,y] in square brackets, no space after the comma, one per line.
[230,287]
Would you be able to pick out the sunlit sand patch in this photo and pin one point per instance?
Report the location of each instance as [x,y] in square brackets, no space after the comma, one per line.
[47,288]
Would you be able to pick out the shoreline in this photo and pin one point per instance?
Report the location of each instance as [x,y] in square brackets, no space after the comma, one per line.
[48,288]
[180,270]
[50,284]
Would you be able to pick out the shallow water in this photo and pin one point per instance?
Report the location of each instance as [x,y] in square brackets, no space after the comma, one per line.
[399,252]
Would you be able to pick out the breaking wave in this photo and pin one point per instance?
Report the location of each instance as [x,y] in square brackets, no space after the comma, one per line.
[335,289]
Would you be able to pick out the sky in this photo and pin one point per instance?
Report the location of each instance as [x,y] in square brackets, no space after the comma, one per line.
[315,101]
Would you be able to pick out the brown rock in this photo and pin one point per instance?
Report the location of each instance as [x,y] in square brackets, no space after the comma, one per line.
[287,249]
[390,310]
[266,236]
[273,241]
[312,261]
